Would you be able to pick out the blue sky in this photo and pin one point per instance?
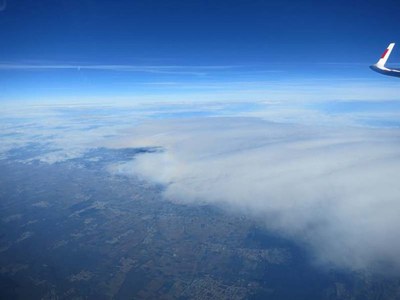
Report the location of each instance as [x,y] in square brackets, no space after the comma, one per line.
[130,51]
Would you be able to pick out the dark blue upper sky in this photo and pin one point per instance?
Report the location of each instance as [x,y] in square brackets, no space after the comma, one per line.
[86,49]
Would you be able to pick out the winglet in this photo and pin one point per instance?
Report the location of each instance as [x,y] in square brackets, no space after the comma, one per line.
[382,61]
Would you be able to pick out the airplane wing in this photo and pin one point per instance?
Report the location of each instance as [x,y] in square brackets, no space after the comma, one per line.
[380,66]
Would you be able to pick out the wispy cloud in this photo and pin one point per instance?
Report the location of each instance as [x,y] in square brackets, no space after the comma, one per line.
[163,69]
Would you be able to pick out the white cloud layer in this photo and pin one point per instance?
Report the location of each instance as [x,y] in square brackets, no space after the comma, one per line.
[334,190]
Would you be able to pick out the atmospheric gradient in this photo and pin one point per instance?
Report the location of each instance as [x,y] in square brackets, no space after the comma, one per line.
[199,150]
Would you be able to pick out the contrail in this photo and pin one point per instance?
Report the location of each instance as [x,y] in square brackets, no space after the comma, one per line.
[188,70]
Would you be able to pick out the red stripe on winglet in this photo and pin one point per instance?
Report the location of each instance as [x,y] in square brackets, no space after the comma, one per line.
[384,53]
